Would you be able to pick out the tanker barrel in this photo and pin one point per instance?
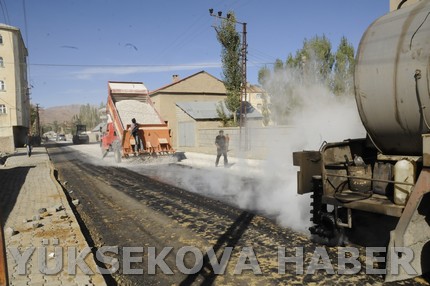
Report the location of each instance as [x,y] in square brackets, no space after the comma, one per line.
[390,79]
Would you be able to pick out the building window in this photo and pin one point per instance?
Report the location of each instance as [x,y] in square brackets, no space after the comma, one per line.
[1,40]
[2,87]
[2,109]
[1,62]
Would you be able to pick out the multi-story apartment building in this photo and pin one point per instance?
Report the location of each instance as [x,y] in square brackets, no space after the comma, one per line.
[14,92]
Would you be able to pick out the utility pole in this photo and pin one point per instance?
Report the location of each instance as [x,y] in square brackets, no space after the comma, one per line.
[37,121]
[244,81]
[242,111]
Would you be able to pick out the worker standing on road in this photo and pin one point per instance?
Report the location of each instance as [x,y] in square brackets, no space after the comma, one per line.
[134,129]
[221,145]
[28,144]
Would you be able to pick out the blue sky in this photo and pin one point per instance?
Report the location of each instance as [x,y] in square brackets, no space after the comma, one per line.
[76,46]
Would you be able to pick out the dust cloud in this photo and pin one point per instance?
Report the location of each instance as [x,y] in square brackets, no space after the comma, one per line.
[316,115]
[269,186]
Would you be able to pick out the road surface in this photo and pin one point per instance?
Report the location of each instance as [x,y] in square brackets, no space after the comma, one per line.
[167,235]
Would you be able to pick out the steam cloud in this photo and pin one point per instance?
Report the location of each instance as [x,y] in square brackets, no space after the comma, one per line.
[271,187]
[319,116]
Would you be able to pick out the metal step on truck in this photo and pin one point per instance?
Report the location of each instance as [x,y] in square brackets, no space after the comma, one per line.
[127,101]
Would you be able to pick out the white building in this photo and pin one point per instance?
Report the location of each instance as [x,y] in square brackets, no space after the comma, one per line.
[14,92]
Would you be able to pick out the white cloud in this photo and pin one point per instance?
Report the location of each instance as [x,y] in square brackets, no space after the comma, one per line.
[88,73]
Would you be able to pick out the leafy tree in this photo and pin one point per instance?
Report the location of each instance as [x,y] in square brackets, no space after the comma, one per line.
[33,114]
[344,68]
[55,126]
[265,111]
[278,66]
[263,75]
[313,63]
[88,115]
[313,59]
[225,119]
[290,62]
[230,57]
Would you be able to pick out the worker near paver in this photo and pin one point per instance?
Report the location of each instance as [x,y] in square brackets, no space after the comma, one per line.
[221,145]
[134,129]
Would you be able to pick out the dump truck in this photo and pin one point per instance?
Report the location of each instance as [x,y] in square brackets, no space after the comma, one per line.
[127,101]
[384,177]
[80,136]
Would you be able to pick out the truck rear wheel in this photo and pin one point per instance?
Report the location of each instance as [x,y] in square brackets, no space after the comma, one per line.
[325,230]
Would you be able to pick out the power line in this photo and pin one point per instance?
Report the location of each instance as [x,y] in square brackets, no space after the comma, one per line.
[131,66]
[28,57]
[183,36]
[208,65]
[262,55]
[25,22]
[4,11]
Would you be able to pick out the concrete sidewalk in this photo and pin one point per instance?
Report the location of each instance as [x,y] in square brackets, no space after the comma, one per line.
[35,214]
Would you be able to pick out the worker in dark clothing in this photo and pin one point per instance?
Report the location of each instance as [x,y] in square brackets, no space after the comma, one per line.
[221,146]
[134,129]
[28,142]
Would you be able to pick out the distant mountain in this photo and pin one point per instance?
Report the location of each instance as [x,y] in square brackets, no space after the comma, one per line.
[59,113]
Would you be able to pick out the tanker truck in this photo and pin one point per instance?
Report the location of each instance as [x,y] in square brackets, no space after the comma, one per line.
[382,180]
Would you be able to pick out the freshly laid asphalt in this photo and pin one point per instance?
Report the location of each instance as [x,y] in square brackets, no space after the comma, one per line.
[38,220]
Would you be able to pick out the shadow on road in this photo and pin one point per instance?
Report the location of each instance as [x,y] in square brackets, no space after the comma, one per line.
[11,181]
[229,239]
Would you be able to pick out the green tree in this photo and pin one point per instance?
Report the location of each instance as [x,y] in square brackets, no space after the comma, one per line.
[313,63]
[263,75]
[318,49]
[314,59]
[265,111]
[344,68]
[33,114]
[225,119]
[33,118]
[88,115]
[229,39]
[55,126]
[278,66]
[290,62]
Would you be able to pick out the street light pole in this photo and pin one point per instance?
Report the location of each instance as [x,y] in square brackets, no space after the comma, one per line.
[244,52]
[244,81]
[37,121]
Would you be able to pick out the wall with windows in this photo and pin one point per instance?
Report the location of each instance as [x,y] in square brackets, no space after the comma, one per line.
[14,95]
